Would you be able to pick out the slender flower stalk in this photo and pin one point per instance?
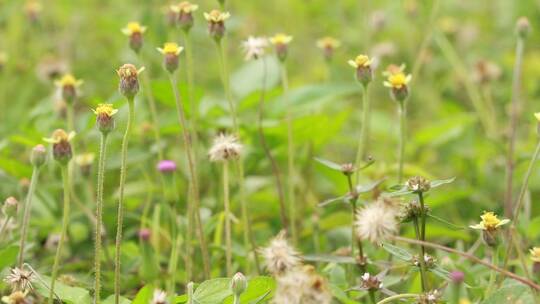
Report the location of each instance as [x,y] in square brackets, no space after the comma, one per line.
[227,211]
[360,259]
[105,124]
[129,87]
[38,158]
[170,52]
[522,30]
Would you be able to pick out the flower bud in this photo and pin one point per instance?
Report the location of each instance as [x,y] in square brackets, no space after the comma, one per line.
[170,53]
[216,24]
[68,86]
[166,166]
[523,27]
[364,73]
[129,80]
[328,45]
[135,32]
[238,284]
[185,10]
[490,237]
[104,117]
[38,156]
[457,277]
[418,184]
[10,206]
[281,44]
[145,234]
[62,151]
[398,83]
[348,169]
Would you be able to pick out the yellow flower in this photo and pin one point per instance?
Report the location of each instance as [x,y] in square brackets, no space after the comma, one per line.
[128,71]
[68,80]
[464,301]
[185,7]
[361,61]
[490,222]
[60,135]
[133,28]
[537,115]
[281,39]
[105,108]
[170,48]
[17,297]
[398,80]
[85,159]
[328,43]
[216,16]
[535,254]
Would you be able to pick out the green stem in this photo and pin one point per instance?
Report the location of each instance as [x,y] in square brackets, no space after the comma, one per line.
[26,214]
[249,239]
[4,225]
[65,219]
[236,299]
[402,117]
[226,205]
[361,258]
[525,184]
[493,273]
[193,176]
[423,237]
[364,129]
[120,218]
[421,257]
[226,86]
[99,216]
[290,155]
[372,296]
[398,297]
[70,116]
[173,260]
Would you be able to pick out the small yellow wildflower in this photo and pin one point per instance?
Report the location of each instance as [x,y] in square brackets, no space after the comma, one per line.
[537,115]
[133,28]
[281,39]
[216,16]
[328,43]
[60,135]
[535,254]
[17,297]
[490,222]
[105,108]
[185,7]
[68,80]
[398,80]
[170,48]
[361,61]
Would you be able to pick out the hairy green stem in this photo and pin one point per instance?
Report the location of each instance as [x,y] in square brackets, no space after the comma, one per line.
[193,176]
[65,220]
[363,141]
[227,210]
[421,257]
[362,261]
[120,216]
[173,260]
[226,86]
[4,225]
[514,116]
[493,273]
[99,216]
[402,138]
[290,155]
[398,297]
[26,214]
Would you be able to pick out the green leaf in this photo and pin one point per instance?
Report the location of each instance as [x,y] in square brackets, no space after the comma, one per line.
[440,182]
[8,256]
[397,252]
[511,293]
[329,164]
[339,294]
[110,300]
[213,291]
[144,295]
[68,294]
[326,258]
[179,299]
[249,78]
[258,289]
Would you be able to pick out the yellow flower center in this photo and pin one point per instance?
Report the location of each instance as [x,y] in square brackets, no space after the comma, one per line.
[490,220]
[281,39]
[362,61]
[135,27]
[398,80]
[187,7]
[216,16]
[128,70]
[60,135]
[105,108]
[328,42]
[535,254]
[170,48]
[68,80]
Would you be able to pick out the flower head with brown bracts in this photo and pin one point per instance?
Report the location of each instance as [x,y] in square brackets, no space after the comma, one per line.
[62,151]
[216,23]
[134,31]
[129,80]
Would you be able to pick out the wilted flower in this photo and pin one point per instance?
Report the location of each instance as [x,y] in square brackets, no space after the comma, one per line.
[376,222]
[135,31]
[279,256]
[225,148]
[159,297]
[429,261]
[10,206]
[68,86]
[104,117]
[166,166]
[348,169]
[328,45]
[170,50]
[17,297]
[185,10]
[216,23]
[281,43]
[362,64]
[129,80]
[20,279]
[62,151]
[254,47]
[418,184]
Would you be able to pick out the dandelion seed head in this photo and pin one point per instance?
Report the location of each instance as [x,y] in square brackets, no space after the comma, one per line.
[254,47]
[20,279]
[279,256]
[225,148]
[376,222]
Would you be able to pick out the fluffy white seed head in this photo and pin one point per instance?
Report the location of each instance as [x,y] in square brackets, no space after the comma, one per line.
[376,222]
[279,256]
[254,47]
[225,148]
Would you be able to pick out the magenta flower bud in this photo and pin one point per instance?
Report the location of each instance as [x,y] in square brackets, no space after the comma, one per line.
[144,234]
[166,166]
[457,276]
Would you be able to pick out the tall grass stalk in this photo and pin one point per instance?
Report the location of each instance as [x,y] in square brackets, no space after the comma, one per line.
[275,168]
[26,214]
[248,233]
[193,175]
[514,116]
[363,141]
[227,211]
[66,184]
[99,216]
[290,155]
[120,216]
